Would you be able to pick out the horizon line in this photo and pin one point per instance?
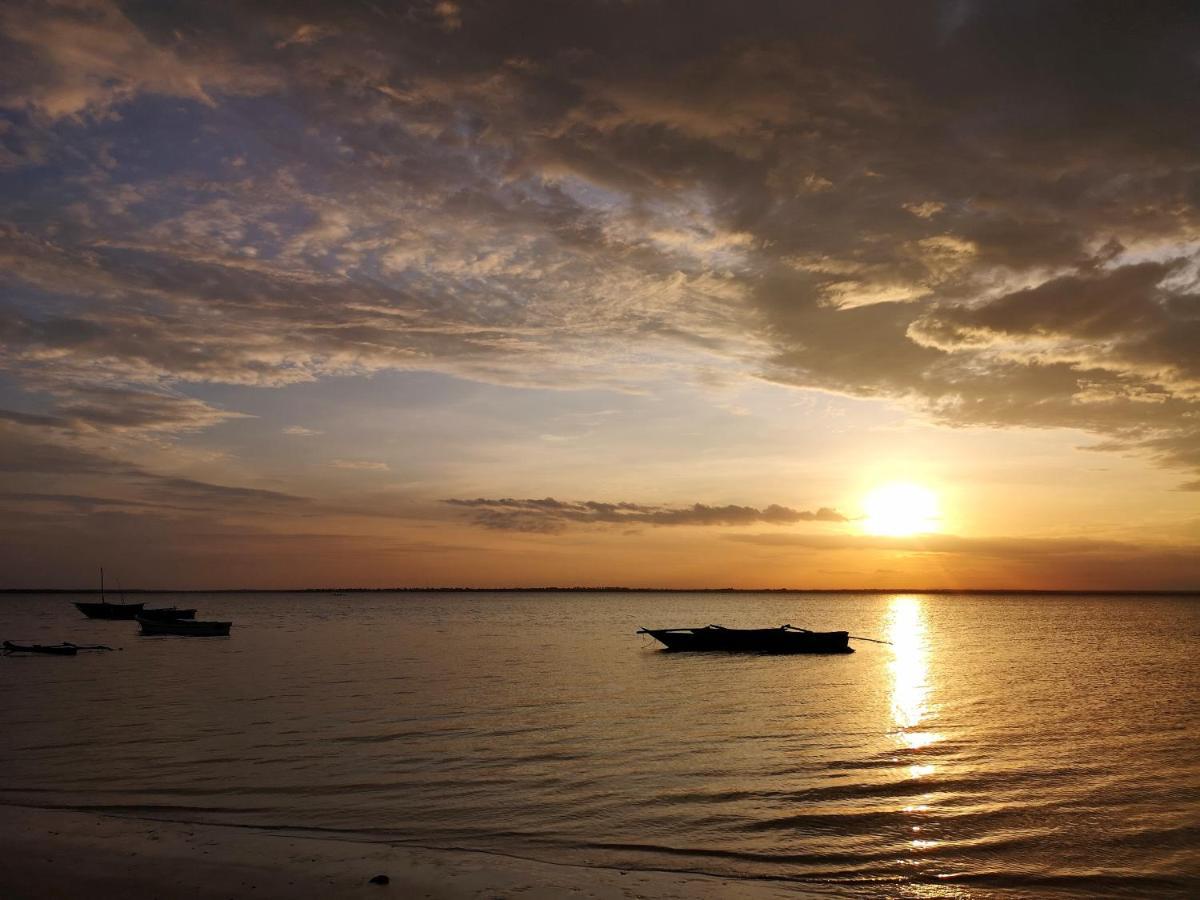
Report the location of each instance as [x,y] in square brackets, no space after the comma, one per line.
[581,589]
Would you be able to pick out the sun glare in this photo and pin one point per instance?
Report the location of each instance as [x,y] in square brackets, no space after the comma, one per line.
[899,509]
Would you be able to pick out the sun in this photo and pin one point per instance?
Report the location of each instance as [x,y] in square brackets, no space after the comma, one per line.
[900,509]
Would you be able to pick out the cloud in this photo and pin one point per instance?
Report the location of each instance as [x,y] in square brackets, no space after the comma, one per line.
[303,35]
[201,493]
[119,410]
[450,13]
[1122,320]
[359,465]
[300,431]
[986,212]
[73,501]
[549,516]
[59,458]
[10,415]
[87,57]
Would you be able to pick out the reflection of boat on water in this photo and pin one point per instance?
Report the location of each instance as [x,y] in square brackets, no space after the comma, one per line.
[784,639]
[106,610]
[184,628]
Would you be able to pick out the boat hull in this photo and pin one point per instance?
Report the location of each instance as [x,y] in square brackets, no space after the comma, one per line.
[750,640]
[110,610]
[167,615]
[184,628]
[49,650]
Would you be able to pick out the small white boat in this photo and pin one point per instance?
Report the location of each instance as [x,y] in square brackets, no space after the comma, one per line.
[184,628]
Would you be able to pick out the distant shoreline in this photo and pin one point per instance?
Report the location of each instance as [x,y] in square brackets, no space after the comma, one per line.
[1183,592]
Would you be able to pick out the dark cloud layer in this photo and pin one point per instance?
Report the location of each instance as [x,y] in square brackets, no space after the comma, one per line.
[984,209]
[28,457]
[549,516]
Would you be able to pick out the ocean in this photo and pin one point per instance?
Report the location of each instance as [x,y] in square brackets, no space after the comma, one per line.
[1000,745]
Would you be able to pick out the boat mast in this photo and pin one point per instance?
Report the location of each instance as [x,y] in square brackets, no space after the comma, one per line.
[102,584]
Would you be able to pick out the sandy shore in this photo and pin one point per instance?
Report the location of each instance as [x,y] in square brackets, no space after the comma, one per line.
[59,854]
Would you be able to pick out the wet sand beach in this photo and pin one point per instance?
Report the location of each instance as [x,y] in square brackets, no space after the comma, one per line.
[60,854]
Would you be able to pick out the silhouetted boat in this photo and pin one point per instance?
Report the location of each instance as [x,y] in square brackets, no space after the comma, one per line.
[52,649]
[167,614]
[184,628]
[106,610]
[784,639]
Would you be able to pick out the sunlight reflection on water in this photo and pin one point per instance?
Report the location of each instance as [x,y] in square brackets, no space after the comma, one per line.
[911,708]
[910,674]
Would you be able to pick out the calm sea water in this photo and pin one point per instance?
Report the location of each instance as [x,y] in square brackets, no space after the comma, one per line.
[1029,745]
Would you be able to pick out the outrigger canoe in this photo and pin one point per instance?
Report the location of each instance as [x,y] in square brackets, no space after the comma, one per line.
[50,649]
[66,648]
[784,639]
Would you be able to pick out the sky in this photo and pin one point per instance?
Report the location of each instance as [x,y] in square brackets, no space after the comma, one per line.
[622,292]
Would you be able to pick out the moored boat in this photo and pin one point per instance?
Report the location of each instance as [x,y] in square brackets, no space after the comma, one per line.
[106,610]
[184,628]
[784,639]
[48,649]
[167,614]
